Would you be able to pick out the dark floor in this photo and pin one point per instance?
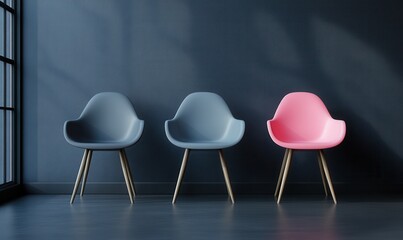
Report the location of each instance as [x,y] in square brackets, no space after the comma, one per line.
[201,217]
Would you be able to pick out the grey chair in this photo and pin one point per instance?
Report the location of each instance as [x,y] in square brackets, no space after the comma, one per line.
[108,122]
[204,122]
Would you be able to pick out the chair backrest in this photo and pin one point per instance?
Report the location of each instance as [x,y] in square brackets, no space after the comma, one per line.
[301,115]
[204,115]
[109,115]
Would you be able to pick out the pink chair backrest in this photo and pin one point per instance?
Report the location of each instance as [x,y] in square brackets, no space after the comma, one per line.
[301,116]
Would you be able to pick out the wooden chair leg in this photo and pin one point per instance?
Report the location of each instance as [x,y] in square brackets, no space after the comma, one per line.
[181,173]
[327,174]
[322,173]
[86,169]
[129,172]
[129,190]
[79,175]
[281,172]
[286,168]
[226,177]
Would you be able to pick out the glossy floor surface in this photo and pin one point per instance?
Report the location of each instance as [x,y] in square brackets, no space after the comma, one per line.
[200,217]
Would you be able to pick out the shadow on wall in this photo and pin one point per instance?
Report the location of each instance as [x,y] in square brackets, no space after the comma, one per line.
[256,53]
[370,92]
[252,53]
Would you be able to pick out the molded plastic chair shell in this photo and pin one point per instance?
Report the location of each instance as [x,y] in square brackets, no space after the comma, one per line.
[302,121]
[204,121]
[107,122]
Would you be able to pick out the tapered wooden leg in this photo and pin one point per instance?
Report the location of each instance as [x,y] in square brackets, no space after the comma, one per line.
[286,168]
[226,177]
[327,174]
[281,172]
[123,159]
[129,172]
[181,173]
[79,175]
[322,173]
[87,166]
[129,190]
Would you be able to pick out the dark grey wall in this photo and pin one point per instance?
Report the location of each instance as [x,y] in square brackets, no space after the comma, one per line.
[251,52]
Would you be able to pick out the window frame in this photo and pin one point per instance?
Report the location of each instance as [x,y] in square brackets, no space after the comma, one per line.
[10,189]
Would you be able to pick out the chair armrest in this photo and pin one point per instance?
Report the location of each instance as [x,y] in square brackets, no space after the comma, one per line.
[135,131]
[170,126]
[235,130]
[335,129]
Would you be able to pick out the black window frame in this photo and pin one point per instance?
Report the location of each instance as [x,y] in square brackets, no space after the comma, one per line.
[12,186]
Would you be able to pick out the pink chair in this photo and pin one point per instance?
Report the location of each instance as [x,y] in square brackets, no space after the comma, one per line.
[302,122]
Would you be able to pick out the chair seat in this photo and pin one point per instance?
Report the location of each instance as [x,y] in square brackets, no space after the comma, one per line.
[79,134]
[331,135]
[101,145]
[200,144]
[192,140]
[307,145]
[90,140]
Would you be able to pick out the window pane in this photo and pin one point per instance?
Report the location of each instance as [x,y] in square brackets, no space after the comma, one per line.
[9,86]
[2,11]
[9,146]
[9,35]
[2,84]
[2,160]
[10,3]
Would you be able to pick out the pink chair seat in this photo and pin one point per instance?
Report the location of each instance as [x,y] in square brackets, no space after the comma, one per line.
[332,135]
